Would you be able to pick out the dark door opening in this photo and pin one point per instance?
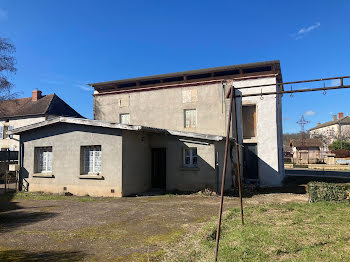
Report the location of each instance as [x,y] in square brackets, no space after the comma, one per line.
[159,168]
[250,162]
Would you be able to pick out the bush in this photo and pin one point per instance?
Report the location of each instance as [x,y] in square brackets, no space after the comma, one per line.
[320,191]
[341,153]
[338,144]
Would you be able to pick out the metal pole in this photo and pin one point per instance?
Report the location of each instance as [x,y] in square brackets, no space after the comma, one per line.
[223,178]
[238,160]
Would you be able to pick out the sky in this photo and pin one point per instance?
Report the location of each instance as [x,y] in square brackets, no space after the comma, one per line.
[62,45]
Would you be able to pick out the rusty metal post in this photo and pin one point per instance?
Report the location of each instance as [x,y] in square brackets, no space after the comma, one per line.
[223,177]
[238,159]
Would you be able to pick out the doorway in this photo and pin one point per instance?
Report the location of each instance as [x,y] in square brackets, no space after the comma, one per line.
[250,162]
[158,168]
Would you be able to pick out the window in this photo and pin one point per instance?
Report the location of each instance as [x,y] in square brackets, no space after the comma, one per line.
[6,132]
[190,118]
[91,159]
[43,157]
[190,157]
[249,121]
[124,119]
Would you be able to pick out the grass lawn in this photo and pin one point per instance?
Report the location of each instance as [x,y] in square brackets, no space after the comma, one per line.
[275,232]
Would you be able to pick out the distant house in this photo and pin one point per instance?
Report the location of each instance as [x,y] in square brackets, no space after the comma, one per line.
[26,111]
[306,151]
[99,158]
[338,128]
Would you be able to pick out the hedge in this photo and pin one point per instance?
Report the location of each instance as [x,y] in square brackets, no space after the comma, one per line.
[320,191]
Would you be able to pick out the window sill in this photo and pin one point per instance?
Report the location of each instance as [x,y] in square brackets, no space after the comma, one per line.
[91,176]
[45,175]
[184,168]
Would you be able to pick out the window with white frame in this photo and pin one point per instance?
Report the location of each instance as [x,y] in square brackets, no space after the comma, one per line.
[190,157]
[124,119]
[43,156]
[91,159]
[190,117]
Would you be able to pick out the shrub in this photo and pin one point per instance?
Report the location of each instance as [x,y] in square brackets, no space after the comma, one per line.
[320,191]
[341,153]
[338,144]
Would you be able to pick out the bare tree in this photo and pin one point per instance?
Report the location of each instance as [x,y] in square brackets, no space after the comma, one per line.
[7,67]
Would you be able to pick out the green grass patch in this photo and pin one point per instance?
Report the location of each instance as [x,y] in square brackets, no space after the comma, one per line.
[290,232]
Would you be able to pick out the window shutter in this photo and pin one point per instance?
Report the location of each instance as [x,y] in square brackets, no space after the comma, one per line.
[1,132]
[10,128]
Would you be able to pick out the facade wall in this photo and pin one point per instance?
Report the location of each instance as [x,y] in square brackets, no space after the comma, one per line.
[182,178]
[13,143]
[164,108]
[136,163]
[66,141]
[269,129]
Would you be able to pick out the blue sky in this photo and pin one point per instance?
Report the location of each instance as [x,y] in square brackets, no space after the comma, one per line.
[63,45]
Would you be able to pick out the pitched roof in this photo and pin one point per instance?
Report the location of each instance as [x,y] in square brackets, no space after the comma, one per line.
[306,143]
[98,123]
[46,105]
[344,120]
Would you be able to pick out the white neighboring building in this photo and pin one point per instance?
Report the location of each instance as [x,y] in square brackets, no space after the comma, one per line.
[338,128]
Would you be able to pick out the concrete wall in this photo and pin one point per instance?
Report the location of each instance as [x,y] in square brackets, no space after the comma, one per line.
[182,178]
[66,141]
[164,108]
[269,129]
[17,122]
[136,163]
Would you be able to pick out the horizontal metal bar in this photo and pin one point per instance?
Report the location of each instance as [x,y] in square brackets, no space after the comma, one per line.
[295,91]
[296,82]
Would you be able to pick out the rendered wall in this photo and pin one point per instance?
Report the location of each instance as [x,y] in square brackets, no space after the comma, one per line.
[164,108]
[269,129]
[17,122]
[66,141]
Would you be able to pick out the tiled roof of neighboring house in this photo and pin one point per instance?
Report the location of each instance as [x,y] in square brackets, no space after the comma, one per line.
[306,143]
[344,120]
[46,105]
[98,123]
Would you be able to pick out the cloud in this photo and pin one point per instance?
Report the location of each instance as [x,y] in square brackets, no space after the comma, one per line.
[335,82]
[309,113]
[305,30]
[3,14]
[85,87]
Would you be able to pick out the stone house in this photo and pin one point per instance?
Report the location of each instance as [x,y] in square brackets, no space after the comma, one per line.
[306,151]
[197,101]
[26,111]
[99,158]
[337,129]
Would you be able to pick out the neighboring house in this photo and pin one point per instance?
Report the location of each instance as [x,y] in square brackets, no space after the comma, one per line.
[306,151]
[99,158]
[338,128]
[197,101]
[26,111]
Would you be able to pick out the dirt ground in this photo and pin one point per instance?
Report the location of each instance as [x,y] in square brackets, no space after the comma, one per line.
[122,229]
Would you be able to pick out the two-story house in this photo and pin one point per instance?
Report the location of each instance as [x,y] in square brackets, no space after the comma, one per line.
[20,112]
[328,132]
[197,101]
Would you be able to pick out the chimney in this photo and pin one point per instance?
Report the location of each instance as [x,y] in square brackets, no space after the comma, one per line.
[36,95]
[340,115]
[334,117]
